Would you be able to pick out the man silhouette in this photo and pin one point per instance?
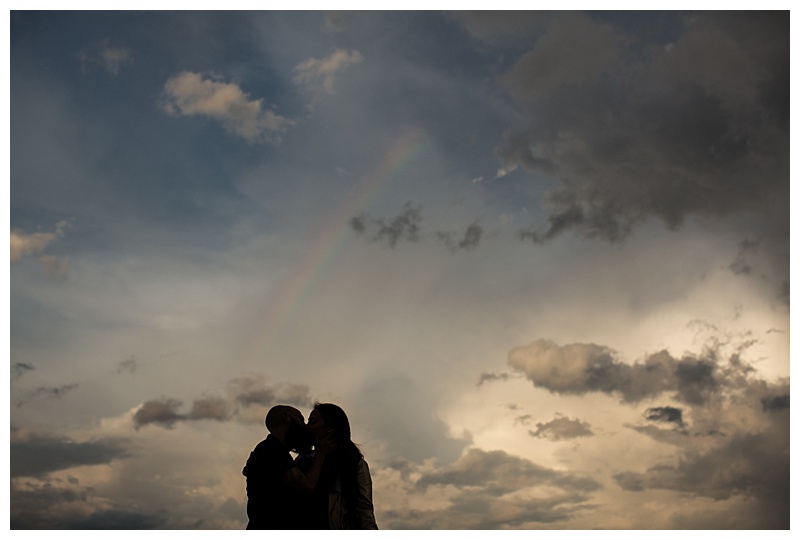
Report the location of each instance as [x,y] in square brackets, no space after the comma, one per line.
[277,491]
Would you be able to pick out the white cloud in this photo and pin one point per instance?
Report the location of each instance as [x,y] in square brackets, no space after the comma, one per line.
[191,94]
[322,71]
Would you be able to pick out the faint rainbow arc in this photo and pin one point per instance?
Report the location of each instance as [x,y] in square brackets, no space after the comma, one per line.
[333,235]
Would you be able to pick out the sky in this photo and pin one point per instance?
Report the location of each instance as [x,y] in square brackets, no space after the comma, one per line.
[541,259]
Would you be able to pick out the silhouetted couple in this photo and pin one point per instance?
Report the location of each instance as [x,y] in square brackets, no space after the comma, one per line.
[328,487]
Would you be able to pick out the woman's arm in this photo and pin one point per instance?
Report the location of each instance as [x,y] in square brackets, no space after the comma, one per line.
[364,510]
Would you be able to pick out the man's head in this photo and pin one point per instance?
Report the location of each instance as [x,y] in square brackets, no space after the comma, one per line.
[287,424]
[280,417]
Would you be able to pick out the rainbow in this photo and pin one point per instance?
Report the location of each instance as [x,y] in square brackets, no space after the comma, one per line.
[333,235]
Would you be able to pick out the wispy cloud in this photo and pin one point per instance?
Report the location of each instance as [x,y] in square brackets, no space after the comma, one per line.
[489,377]
[468,241]
[24,244]
[322,71]
[665,414]
[105,55]
[562,428]
[52,392]
[129,365]
[404,226]
[19,369]
[193,94]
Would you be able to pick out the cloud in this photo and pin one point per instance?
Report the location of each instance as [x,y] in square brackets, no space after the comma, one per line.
[503,27]
[775,403]
[192,94]
[55,266]
[480,511]
[53,392]
[491,489]
[50,506]
[665,414]
[404,226]
[251,390]
[294,394]
[686,123]
[106,56]
[19,369]
[562,428]
[36,455]
[117,520]
[24,244]
[322,72]
[211,408]
[750,465]
[246,400]
[160,412]
[582,368]
[129,365]
[499,473]
[470,239]
[489,377]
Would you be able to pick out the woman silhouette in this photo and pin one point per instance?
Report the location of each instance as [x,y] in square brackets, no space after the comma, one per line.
[343,498]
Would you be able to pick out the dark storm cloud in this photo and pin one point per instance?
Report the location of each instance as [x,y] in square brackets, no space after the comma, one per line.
[38,454]
[161,412]
[665,414]
[19,369]
[469,240]
[562,428]
[634,126]
[693,126]
[582,368]
[404,226]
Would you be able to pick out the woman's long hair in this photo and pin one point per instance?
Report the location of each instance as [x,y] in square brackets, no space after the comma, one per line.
[344,460]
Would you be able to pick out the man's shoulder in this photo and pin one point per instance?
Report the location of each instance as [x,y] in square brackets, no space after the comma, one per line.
[271,453]
[270,445]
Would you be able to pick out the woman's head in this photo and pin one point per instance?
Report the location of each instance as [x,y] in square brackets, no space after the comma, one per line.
[329,418]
